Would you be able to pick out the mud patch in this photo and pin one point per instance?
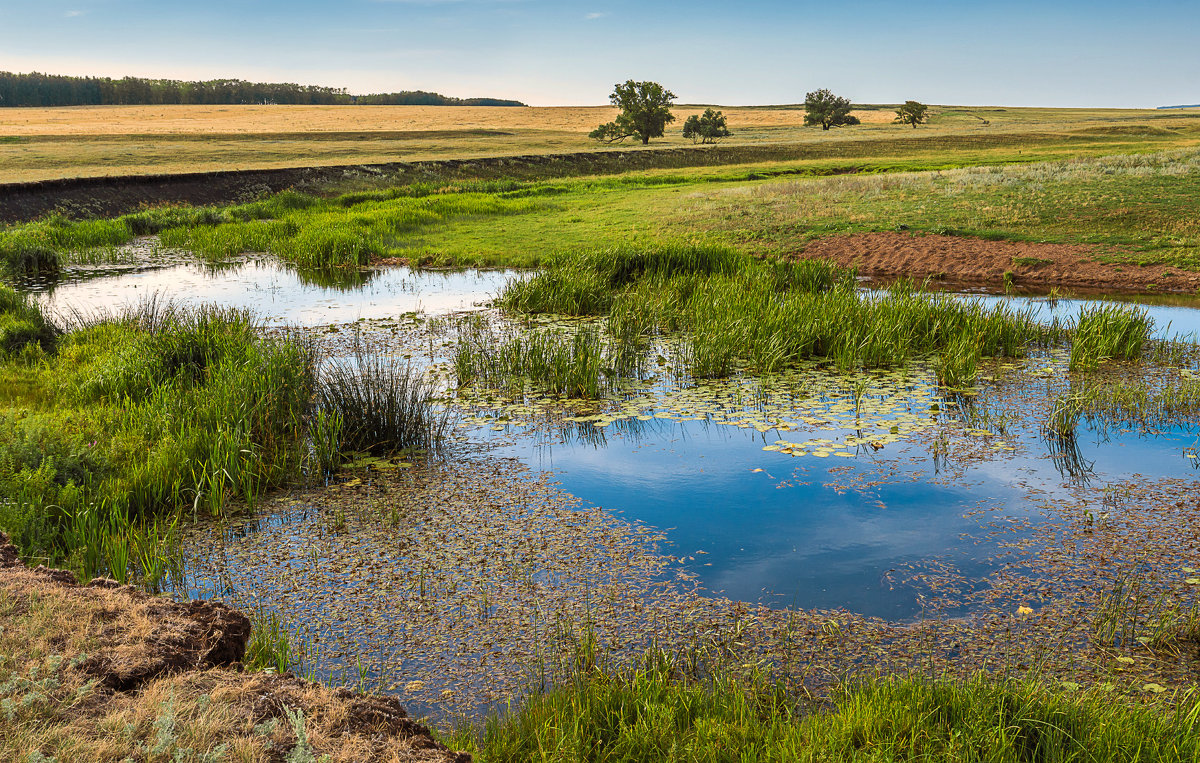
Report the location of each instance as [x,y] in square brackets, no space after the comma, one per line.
[957,259]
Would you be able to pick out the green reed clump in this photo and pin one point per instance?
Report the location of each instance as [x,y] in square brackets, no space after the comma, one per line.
[584,283]
[654,713]
[374,404]
[570,363]
[325,233]
[42,245]
[1106,404]
[739,311]
[22,324]
[141,414]
[1109,332]
[270,646]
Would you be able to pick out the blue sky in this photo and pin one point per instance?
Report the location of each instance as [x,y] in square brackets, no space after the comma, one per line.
[570,52]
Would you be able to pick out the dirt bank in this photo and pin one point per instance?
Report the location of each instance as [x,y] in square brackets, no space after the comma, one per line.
[104,672]
[978,261]
[115,195]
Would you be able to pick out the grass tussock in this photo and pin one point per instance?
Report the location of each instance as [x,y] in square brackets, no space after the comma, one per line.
[134,417]
[570,363]
[652,714]
[373,404]
[115,425]
[737,311]
[1109,332]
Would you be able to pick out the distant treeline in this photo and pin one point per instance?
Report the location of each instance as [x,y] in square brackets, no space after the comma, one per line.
[35,89]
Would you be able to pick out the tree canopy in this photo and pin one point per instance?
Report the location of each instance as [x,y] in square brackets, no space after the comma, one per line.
[35,89]
[823,108]
[645,111]
[911,113]
[708,127]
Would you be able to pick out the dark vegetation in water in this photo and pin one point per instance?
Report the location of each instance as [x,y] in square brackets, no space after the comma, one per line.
[112,426]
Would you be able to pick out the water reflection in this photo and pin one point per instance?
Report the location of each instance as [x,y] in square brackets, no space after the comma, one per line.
[277,293]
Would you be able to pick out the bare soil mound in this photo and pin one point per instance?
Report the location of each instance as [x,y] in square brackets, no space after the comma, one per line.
[979,261]
[108,656]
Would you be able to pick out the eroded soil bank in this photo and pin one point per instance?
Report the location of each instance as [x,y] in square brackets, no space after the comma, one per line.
[105,672]
[963,260]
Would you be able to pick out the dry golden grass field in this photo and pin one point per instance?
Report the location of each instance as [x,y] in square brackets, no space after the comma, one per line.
[47,143]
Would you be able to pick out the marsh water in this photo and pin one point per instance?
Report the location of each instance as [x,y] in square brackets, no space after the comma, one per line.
[839,528]
[809,489]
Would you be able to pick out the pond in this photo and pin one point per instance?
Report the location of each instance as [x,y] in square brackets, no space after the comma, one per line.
[810,489]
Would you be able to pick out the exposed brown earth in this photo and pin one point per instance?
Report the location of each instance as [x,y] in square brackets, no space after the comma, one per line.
[978,261]
[88,659]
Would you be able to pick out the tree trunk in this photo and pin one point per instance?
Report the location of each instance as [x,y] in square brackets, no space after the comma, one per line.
[645,140]
[824,125]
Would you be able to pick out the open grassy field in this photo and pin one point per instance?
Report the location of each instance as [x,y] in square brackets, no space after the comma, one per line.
[40,144]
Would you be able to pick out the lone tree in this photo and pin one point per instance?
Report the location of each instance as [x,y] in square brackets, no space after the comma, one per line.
[911,113]
[708,127]
[645,111]
[828,110]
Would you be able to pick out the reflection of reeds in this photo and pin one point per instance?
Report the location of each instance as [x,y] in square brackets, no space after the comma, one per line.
[1104,405]
[1136,613]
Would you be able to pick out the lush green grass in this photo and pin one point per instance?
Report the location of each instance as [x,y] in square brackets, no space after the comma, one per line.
[310,232]
[737,311]
[137,416]
[1136,207]
[652,714]
[1109,332]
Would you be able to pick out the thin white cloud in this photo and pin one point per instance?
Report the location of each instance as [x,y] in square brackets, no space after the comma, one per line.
[73,14]
[593,16]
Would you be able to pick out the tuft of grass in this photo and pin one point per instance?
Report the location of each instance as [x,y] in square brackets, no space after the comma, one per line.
[377,405]
[565,363]
[136,416]
[1109,332]
[22,324]
[736,310]
[653,713]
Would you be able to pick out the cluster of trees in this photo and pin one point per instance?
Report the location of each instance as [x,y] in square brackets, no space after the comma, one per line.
[35,89]
[645,112]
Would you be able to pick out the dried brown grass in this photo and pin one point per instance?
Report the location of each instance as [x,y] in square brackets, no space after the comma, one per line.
[187,120]
[61,643]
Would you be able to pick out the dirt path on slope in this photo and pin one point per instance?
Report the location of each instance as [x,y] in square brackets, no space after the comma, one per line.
[978,261]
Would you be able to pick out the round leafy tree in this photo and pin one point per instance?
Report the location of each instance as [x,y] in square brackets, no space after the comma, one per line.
[911,113]
[708,127]
[645,111]
[823,108]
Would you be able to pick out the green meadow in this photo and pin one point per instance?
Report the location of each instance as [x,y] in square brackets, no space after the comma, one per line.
[120,429]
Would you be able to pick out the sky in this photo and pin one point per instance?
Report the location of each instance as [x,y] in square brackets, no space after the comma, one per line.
[571,52]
